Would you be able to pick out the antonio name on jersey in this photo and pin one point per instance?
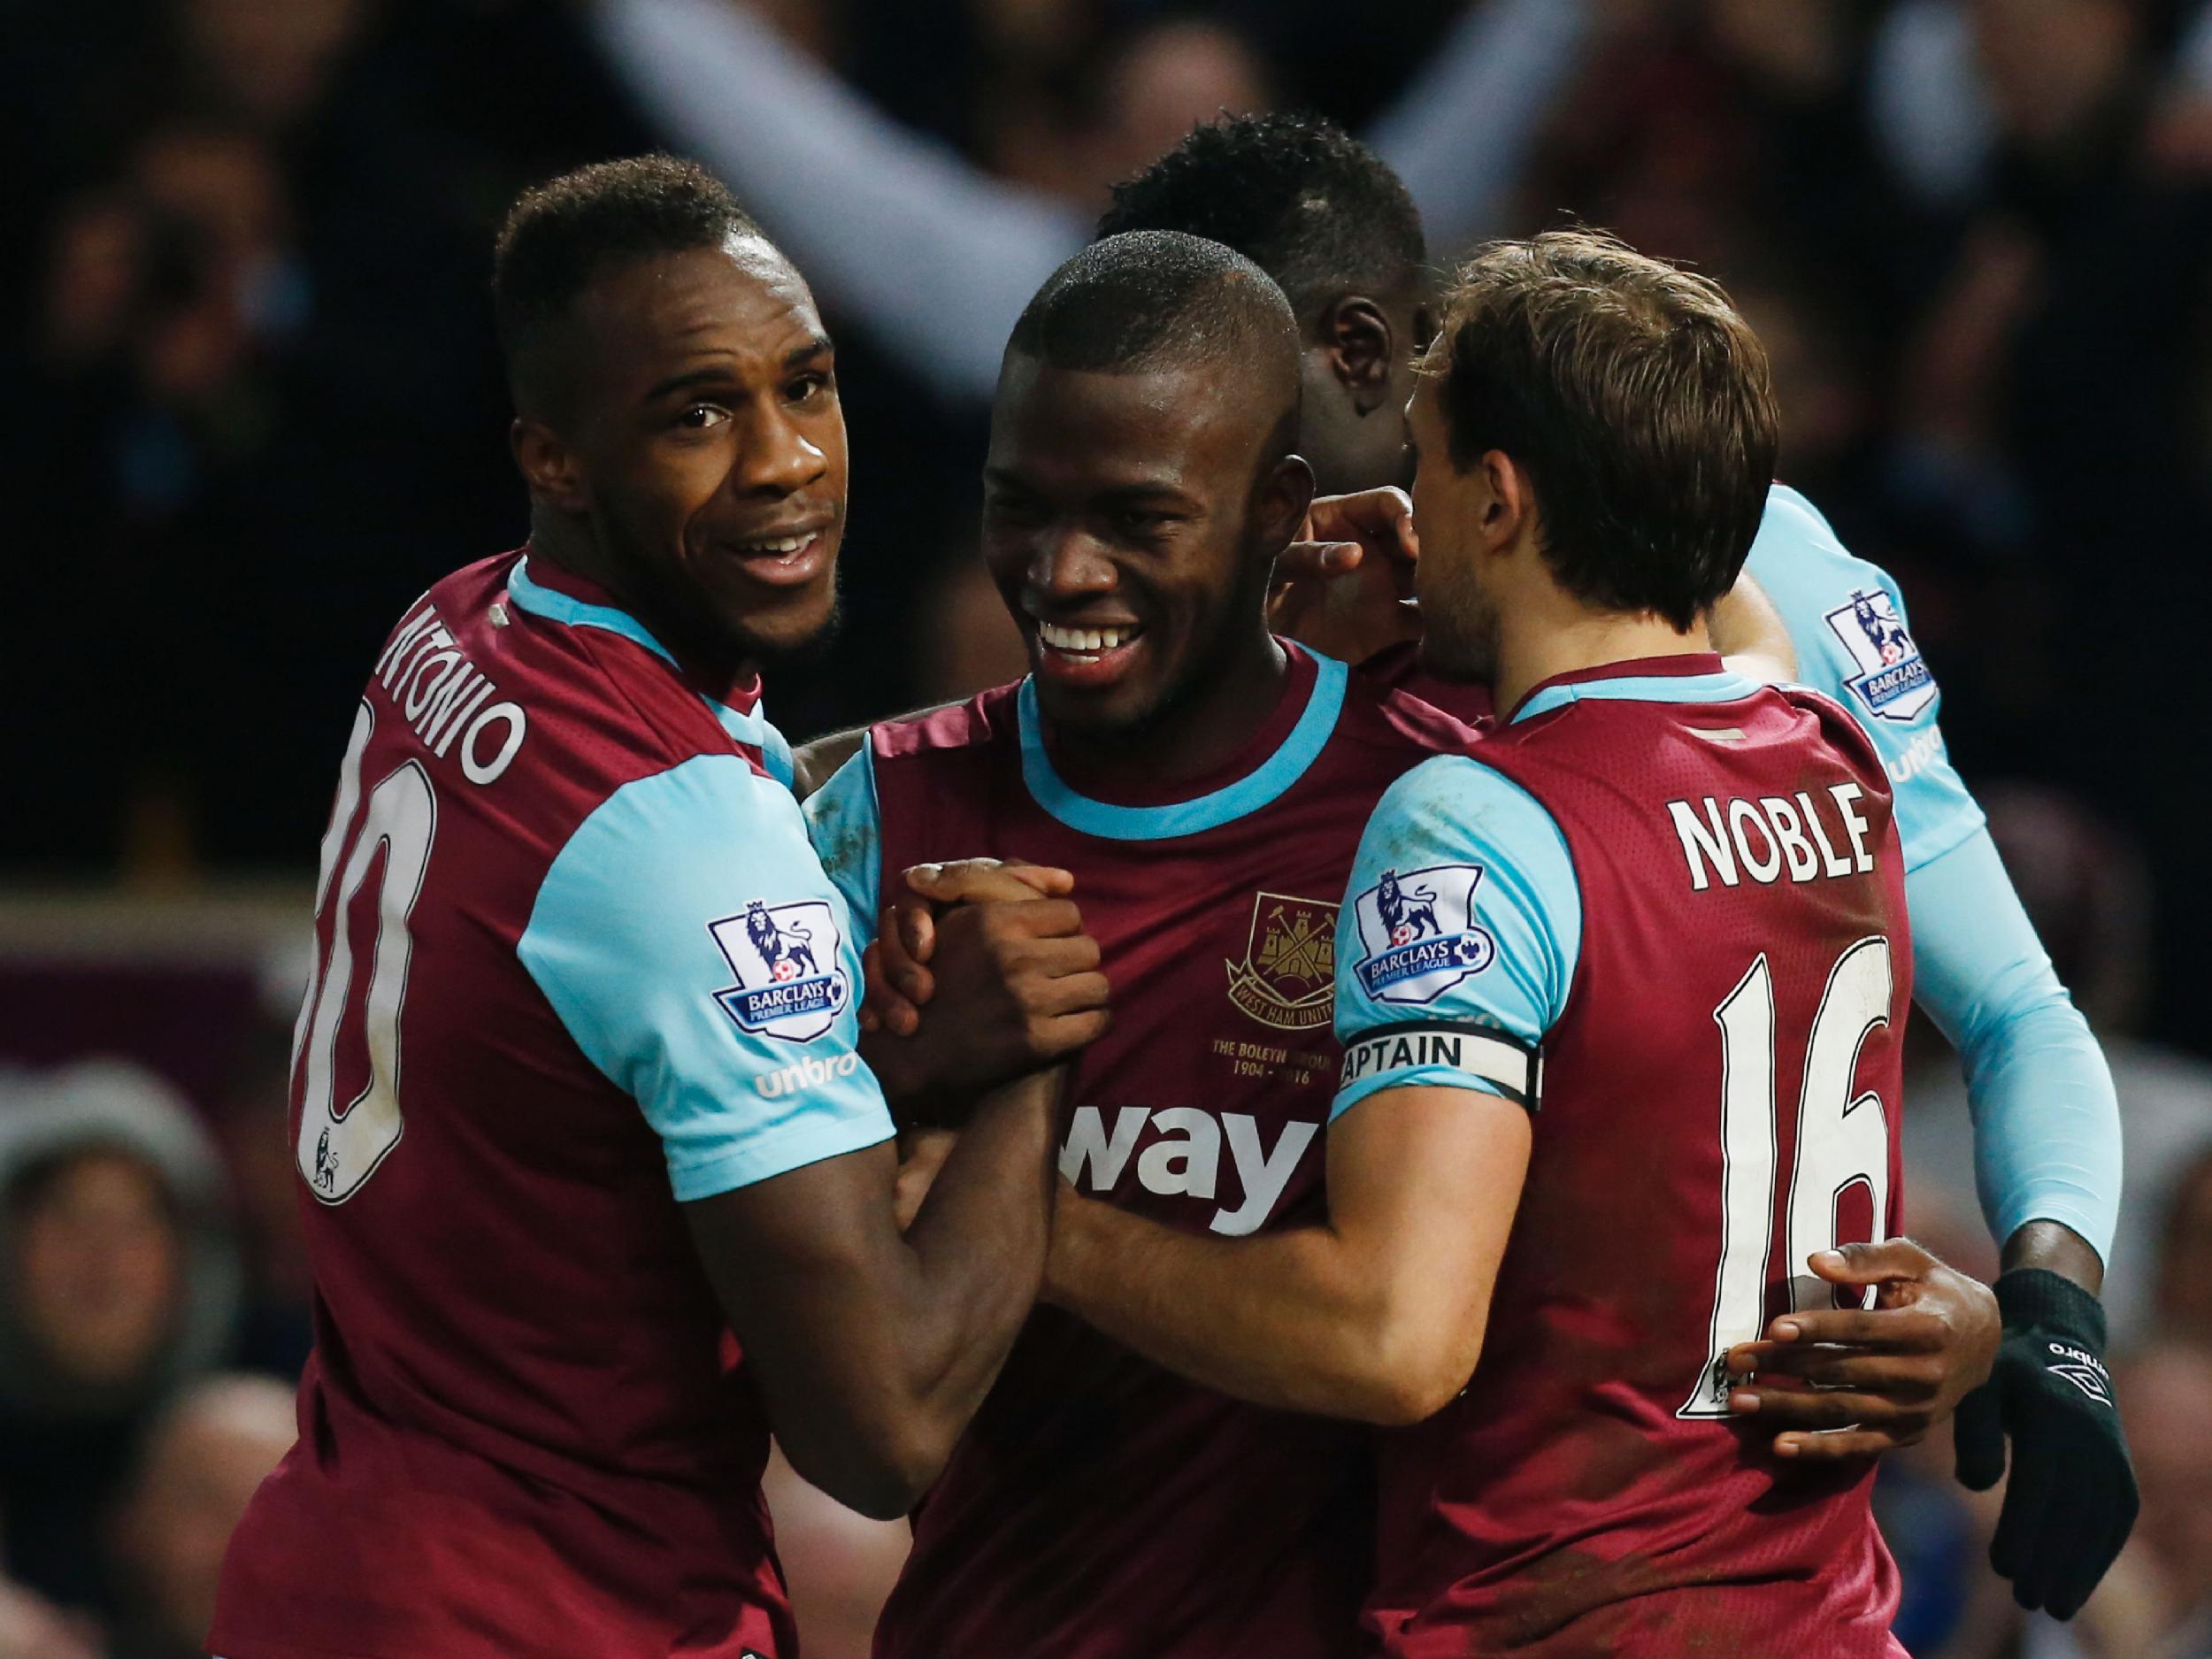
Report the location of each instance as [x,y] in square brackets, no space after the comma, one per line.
[791,981]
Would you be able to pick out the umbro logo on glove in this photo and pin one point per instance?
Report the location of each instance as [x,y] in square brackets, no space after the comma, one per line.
[2084,1370]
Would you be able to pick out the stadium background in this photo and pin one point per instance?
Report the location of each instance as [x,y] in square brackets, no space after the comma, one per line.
[250,408]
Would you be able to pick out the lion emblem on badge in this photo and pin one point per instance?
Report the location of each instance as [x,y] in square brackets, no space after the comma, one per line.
[791,983]
[1417,932]
[1886,634]
[789,952]
[1406,913]
[1892,682]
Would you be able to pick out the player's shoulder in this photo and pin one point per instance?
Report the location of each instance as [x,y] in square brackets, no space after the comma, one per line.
[1460,796]
[557,702]
[1795,543]
[1834,726]
[1845,614]
[986,721]
[1388,714]
[1401,668]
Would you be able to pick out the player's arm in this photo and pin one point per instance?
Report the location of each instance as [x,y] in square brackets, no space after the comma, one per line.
[1749,633]
[2047,1155]
[1377,1315]
[1380,1313]
[2046,1121]
[813,763]
[691,945]
[873,1348]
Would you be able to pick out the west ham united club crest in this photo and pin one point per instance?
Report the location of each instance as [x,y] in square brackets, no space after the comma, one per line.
[1417,936]
[1287,978]
[791,982]
[1892,682]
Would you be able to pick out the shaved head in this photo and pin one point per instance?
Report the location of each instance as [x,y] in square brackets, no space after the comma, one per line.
[1161,300]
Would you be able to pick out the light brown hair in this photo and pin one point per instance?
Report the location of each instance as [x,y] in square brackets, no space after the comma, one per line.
[1635,397]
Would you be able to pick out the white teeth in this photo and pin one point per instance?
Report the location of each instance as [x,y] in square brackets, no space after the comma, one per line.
[786,544]
[1084,639]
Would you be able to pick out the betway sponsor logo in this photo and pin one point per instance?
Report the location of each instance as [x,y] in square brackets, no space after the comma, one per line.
[804,1074]
[1185,1160]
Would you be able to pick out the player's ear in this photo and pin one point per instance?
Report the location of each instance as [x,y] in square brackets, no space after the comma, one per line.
[1506,507]
[549,465]
[1280,508]
[1361,349]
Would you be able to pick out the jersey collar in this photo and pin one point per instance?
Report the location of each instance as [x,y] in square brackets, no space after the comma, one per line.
[1261,786]
[1699,677]
[577,601]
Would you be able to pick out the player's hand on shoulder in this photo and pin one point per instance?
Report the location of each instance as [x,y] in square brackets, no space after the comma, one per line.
[1343,587]
[1835,1384]
[998,954]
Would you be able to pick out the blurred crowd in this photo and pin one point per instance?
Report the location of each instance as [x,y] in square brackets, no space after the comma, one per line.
[252,407]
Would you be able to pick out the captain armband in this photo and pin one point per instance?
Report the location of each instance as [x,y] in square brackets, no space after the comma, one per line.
[1513,1067]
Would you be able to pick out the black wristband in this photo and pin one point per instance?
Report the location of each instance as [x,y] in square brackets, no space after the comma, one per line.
[2037,1296]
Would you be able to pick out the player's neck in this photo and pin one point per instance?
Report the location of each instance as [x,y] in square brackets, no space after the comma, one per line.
[1555,634]
[1199,735]
[580,555]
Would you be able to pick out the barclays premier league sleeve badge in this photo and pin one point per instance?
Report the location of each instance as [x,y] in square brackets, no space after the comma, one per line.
[1417,934]
[791,980]
[1892,682]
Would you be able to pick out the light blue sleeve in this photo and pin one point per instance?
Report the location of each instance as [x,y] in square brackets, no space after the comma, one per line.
[846,825]
[688,939]
[1847,623]
[1457,938]
[2046,1122]
[775,754]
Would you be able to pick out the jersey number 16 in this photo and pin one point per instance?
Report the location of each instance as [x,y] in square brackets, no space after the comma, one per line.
[1842,1142]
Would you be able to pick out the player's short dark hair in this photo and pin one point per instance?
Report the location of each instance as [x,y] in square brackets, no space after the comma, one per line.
[1297,195]
[1154,299]
[1637,399]
[561,236]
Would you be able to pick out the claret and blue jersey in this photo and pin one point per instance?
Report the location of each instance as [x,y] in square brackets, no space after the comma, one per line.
[1474,954]
[576,962]
[1099,1506]
[1661,908]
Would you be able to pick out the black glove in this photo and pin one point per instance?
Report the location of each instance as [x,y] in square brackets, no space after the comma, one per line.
[2071,1499]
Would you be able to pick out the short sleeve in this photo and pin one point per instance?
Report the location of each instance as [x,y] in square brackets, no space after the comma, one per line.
[1847,623]
[1457,938]
[846,827]
[691,944]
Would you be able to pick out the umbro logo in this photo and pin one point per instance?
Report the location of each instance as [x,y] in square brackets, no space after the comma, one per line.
[2084,1370]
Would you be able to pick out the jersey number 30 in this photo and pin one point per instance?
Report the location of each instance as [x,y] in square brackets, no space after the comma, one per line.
[341,1145]
[1842,1142]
